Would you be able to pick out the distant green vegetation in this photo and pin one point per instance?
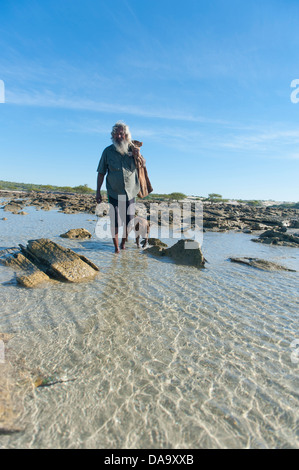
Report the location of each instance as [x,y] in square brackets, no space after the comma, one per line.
[177,196]
[84,189]
[165,197]
[12,186]
[215,197]
[81,189]
[288,205]
[251,202]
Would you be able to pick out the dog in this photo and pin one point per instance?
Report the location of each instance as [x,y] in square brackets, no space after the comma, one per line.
[141,229]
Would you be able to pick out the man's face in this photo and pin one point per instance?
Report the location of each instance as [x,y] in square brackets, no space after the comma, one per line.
[119,135]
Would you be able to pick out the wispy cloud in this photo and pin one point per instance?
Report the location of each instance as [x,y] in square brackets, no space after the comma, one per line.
[51,100]
[266,138]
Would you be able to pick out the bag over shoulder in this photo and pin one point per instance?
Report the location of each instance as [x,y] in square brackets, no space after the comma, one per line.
[145,184]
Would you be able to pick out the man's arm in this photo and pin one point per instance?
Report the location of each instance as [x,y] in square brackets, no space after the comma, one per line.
[99,185]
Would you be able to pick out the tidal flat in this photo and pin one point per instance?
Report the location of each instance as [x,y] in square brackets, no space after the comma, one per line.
[151,354]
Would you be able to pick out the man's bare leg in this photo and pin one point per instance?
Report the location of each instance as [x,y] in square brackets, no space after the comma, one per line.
[115,242]
[124,239]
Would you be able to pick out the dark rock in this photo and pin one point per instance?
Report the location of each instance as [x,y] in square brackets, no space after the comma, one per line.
[31,276]
[277,237]
[43,259]
[155,250]
[12,207]
[185,252]
[77,233]
[261,264]
[156,242]
[216,216]
[59,262]
[294,223]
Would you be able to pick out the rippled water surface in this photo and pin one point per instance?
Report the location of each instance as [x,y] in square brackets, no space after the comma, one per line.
[156,355]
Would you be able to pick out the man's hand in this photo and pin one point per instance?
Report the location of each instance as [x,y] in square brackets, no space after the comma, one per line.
[136,152]
[99,185]
[98,197]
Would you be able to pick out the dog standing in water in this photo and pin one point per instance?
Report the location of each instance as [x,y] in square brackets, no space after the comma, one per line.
[141,229]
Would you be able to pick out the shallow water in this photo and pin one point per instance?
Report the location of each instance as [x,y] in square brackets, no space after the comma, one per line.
[157,355]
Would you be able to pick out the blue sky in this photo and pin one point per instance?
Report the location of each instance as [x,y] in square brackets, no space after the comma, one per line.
[206,85]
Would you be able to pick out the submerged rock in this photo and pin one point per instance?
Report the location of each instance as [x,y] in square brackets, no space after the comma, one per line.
[31,276]
[14,385]
[261,264]
[76,233]
[156,242]
[13,207]
[155,250]
[185,252]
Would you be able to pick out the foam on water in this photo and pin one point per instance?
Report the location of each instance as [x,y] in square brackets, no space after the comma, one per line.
[162,356]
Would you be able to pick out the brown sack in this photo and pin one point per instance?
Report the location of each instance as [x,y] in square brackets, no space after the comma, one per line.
[145,184]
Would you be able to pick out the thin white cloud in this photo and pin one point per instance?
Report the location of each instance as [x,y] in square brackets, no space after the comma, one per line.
[49,99]
[216,137]
[266,138]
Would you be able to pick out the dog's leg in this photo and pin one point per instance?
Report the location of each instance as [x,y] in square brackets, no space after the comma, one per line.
[146,236]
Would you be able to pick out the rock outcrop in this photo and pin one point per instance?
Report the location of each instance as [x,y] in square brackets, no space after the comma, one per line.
[76,233]
[30,275]
[43,259]
[278,237]
[13,207]
[157,242]
[184,252]
[261,264]
[216,216]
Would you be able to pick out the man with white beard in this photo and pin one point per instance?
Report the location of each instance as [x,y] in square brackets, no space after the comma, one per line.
[118,162]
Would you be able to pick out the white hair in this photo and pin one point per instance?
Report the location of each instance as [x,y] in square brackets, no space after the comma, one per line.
[125,127]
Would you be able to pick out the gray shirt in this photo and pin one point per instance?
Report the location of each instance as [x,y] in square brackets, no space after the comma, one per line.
[122,176]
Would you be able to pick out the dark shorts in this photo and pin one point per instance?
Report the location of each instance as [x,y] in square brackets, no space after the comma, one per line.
[121,211]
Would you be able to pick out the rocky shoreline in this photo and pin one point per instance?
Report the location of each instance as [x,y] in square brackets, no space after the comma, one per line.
[44,261]
[217,217]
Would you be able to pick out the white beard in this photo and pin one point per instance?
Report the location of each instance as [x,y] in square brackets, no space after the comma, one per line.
[122,147]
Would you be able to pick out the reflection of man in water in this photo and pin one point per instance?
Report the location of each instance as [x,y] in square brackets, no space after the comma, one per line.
[122,183]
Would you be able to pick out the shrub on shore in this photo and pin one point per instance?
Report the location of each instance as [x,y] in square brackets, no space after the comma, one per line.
[12,186]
